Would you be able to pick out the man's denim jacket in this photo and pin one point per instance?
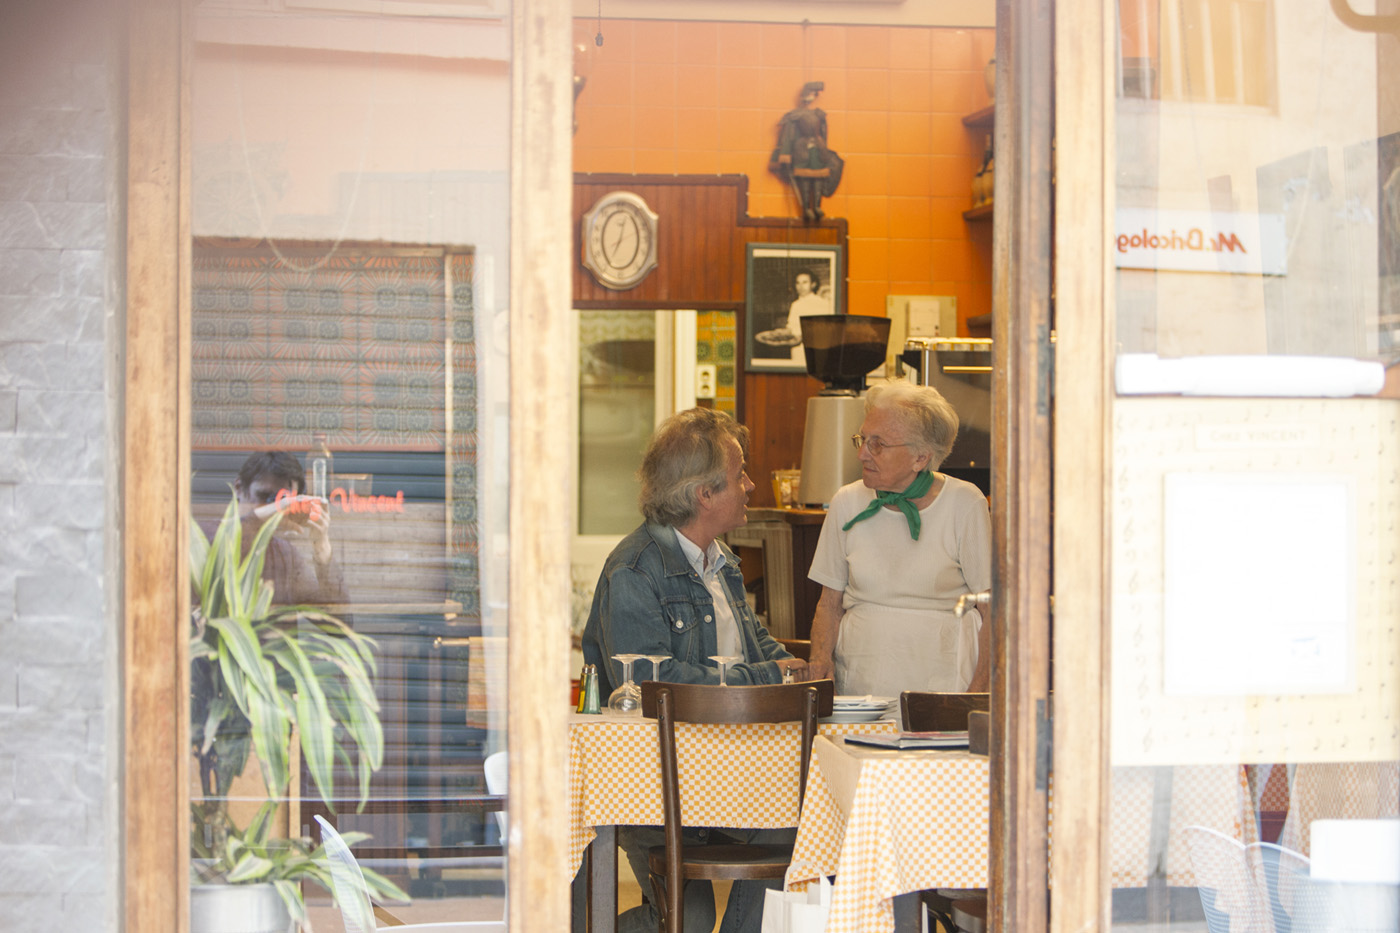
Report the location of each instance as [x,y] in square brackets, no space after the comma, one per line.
[649,600]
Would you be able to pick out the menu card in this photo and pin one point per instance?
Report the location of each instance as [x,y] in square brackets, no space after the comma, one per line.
[900,740]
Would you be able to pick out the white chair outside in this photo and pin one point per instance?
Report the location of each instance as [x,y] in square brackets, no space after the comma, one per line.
[1232,897]
[497,773]
[356,909]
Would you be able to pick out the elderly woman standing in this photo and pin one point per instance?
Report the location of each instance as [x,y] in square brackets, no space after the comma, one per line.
[896,551]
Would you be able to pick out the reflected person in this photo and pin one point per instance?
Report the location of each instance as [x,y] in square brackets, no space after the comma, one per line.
[274,481]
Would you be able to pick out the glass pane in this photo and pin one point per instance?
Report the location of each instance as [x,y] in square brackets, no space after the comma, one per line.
[617,409]
[349,383]
[1255,600]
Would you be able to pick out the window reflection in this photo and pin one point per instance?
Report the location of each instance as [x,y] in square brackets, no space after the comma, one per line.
[1270,127]
[346,313]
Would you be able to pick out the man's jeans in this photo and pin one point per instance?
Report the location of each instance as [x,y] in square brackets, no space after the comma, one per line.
[742,914]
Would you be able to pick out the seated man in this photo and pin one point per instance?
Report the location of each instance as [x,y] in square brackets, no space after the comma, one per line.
[294,581]
[672,588]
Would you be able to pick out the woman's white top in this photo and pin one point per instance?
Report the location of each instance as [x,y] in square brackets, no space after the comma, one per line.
[898,631]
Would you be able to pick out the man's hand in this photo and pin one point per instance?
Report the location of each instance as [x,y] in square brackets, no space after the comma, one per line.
[793,669]
[319,525]
[306,515]
[820,670]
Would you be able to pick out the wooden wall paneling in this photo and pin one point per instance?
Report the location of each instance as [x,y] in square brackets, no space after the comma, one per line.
[537,656]
[154,841]
[1084,143]
[1021,454]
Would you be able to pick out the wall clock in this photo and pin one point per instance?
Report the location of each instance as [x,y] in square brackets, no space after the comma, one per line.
[619,240]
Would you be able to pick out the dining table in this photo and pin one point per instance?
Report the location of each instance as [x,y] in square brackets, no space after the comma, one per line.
[732,776]
[890,823]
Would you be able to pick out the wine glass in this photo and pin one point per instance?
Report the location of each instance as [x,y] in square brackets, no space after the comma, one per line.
[724,661]
[656,660]
[628,697]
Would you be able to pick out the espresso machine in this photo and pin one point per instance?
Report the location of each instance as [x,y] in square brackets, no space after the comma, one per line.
[841,349]
[961,370]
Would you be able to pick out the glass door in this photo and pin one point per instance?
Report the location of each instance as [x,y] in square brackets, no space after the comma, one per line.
[1253,446]
[350,172]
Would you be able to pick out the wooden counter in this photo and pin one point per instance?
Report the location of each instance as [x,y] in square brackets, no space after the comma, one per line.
[787,539]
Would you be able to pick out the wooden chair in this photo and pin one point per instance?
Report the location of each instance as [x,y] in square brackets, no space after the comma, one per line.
[672,864]
[940,712]
[797,647]
[961,910]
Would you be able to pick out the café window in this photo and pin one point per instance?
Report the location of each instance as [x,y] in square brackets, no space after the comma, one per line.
[348,324]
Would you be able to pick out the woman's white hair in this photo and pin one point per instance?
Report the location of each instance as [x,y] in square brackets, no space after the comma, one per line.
[932,422]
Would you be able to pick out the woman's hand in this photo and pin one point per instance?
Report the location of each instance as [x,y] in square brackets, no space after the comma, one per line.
[826,622]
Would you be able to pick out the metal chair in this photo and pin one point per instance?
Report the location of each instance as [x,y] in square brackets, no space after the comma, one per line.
[674,863]
[1232,897]
[1283,876]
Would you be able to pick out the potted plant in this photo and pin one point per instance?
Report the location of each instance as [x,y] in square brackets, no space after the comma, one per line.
[260,679]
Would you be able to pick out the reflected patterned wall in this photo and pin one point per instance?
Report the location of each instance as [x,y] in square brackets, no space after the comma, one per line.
[354,343]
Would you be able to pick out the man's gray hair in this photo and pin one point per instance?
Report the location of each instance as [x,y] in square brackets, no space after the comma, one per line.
[688,453]
[932,422]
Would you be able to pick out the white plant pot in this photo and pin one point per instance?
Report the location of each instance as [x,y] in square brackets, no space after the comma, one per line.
[238,908]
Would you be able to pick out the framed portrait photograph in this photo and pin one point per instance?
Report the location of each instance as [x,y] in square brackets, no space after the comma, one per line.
[787,282]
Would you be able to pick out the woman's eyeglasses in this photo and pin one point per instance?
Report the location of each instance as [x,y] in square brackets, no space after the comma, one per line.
[874,443]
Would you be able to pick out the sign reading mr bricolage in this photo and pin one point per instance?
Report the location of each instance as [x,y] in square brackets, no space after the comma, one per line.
[1200,241]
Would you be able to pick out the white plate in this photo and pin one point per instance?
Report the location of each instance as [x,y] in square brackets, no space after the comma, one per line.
[861,702]
[855,715]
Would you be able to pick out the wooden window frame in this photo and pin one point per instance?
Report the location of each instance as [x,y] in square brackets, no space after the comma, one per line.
[154,849]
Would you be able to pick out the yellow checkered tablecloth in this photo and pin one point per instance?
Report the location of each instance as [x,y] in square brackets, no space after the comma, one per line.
[888,823]
[615,774]
[917,820]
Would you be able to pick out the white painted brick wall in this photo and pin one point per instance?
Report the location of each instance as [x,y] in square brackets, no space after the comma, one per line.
[58,690]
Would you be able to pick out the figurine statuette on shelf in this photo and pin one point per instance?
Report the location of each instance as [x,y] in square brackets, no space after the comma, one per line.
[802,157]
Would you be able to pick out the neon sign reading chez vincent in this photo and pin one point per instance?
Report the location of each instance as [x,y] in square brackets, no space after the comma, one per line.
[348,500]
[1200,241]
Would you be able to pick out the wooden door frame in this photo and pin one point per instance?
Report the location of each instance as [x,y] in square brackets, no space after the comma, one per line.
[153,850]
[1084,312]
[1053,346]
[1021,452]
[154,844]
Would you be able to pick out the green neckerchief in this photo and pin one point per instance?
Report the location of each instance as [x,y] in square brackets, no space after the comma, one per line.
[922,484]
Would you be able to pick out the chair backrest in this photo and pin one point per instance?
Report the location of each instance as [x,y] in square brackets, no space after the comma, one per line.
[351,891]
[797,647]
[1231,897]
[940,712]
[705,704]
[1282,875]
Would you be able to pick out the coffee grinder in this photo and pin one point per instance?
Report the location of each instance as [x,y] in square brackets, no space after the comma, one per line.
[840,350]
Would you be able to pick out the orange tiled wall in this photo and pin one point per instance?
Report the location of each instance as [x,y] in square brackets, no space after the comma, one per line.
[685,97]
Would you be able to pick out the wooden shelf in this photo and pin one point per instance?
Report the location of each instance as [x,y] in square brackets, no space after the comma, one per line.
[980,212]
[984,117]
